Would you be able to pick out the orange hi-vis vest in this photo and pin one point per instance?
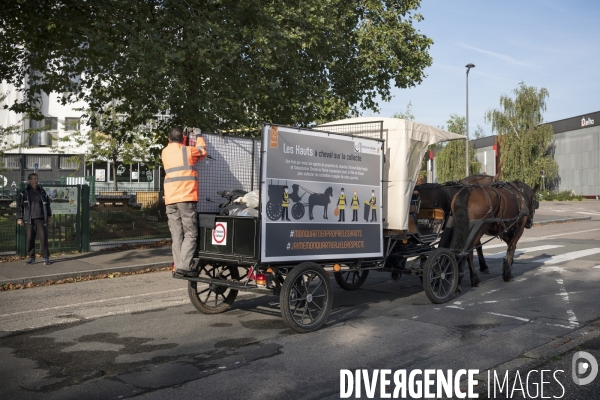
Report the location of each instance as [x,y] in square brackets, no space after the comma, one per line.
[181,179]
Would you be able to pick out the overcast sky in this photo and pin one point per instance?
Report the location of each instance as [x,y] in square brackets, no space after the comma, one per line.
[544,43]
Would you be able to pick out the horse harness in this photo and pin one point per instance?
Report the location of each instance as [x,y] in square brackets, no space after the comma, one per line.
[516,192]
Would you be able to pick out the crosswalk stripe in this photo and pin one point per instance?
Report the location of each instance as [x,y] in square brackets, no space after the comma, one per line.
[525,250]
[567,256]
[540,238]
[492,246]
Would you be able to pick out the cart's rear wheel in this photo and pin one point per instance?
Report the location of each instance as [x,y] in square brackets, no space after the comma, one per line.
[306,297]
[440,276]
[351,280]
[213,299]
[273,210]
[298,211]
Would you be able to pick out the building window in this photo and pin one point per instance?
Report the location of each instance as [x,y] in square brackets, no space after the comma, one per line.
[11,162]
[51,123]
[66,162]
[100,171]
[72,124]
[43,162]
[48,123]
[123,172]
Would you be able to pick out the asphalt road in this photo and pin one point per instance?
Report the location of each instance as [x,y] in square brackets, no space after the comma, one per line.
[140,336]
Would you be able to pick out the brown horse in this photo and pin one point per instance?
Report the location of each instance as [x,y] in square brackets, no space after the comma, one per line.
[502,209]
[434,195]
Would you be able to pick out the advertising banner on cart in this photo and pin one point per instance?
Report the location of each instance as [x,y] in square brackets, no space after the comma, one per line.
[321,196]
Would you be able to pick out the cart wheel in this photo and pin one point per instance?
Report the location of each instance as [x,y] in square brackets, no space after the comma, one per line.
[440,276]
[211,299]
[306,297]
[298,211]
[273,210]
[351,280]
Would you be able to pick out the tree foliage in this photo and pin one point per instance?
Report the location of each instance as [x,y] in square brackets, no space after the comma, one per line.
[523,138]
[213,64]
[106,142]
[450,162]
[407,114]
[479,132]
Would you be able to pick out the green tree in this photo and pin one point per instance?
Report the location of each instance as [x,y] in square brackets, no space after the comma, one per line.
[406,114]
[450,161]
[479,132]
[523,138]
[106,142]
[214,64]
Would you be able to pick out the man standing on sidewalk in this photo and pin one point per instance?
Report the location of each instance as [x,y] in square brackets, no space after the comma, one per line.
[33,207]
[181,196]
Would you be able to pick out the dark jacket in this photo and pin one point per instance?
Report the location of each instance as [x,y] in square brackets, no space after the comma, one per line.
[27,210]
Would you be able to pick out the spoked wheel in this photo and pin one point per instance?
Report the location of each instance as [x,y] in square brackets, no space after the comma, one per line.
[440,276]
[306,298]
[298,211]
[273,210]
[351,280]
[213,299]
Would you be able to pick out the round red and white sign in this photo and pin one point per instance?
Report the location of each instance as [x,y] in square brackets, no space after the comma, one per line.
[219,233]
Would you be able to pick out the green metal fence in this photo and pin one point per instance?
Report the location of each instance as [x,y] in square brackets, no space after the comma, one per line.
[127,214]
[101,217]
[66,232]
[8,222]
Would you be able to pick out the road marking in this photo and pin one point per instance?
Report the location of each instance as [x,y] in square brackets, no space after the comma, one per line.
[567,256]
[526,240]
[589,213]
[525,250]
[489,292]
[597,267]
[492,246]
[561,234]
[561,326]
[563,292]
[92,302]
[509,316]
[542,270]
[457,307]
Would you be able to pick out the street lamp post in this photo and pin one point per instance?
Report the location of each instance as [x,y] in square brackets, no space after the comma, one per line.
[469,66]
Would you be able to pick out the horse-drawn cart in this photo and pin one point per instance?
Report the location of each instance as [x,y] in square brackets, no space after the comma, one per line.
[374,160]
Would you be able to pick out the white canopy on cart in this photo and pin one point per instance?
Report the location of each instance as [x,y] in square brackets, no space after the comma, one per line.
[405,143]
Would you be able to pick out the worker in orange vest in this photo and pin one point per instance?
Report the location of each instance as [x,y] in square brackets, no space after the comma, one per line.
[181,196]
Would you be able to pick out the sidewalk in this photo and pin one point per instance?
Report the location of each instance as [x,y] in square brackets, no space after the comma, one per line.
[106,262]
[86,264]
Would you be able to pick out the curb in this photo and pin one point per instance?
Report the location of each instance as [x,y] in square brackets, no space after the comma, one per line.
[79,274]
[99,246]
[561,221]
[538,356]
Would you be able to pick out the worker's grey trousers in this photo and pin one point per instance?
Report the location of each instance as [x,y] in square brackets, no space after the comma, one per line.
[183,225]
